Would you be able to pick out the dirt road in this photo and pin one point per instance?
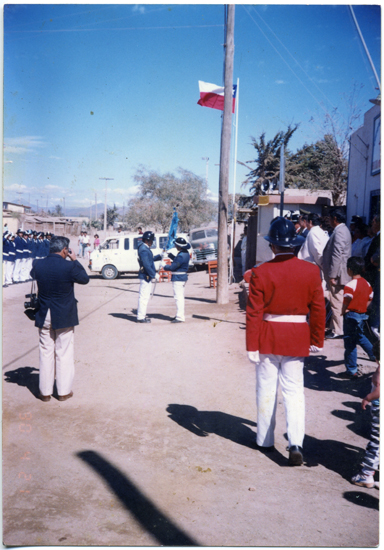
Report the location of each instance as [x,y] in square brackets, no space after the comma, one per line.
[157,446]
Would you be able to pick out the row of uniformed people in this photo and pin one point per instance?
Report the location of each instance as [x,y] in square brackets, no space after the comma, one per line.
[19,251]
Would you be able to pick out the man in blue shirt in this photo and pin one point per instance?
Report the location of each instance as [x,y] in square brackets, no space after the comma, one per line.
[147,272]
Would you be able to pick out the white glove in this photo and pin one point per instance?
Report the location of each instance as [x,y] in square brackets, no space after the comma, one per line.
[164,254]
[157,277]
[315,349]
[163,263]
[254,357]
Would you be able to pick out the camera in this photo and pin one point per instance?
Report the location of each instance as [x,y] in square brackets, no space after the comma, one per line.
[33,301]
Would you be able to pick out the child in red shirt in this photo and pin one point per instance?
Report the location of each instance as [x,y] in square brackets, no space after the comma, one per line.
[358,295]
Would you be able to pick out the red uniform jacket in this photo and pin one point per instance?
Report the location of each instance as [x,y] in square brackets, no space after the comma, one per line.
[285,286]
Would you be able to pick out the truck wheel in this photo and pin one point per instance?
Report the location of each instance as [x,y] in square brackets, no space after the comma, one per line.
[109,272]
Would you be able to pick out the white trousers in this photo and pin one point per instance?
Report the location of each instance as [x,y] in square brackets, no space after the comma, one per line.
[56,358]
[178,293]
[17,271]
[26,269]
[271,370]
[144,295]
[8,268]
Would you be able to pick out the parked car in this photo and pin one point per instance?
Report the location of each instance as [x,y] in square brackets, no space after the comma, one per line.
[204,244]
[118,254]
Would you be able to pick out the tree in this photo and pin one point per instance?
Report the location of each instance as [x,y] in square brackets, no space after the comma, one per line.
[58,212]
[112,215]
[159,194]
[268,159]
[321,165]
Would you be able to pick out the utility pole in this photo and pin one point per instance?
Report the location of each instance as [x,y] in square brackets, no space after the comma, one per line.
[64,205]
[96,206]
[222,241]
[105,205]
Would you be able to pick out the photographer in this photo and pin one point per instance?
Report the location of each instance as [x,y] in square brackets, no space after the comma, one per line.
[57,317]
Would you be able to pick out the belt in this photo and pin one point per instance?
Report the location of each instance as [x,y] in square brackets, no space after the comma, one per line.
[179,272]
[284,318]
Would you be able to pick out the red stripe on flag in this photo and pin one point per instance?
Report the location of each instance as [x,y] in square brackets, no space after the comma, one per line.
[214,101]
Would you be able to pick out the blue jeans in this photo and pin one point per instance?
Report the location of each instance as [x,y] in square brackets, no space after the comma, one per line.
[353,335]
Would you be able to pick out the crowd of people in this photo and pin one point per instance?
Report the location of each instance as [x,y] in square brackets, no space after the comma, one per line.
[285,314]
[19,251]
[286,319]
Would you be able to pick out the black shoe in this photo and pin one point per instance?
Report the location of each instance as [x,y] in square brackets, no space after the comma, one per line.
[347,375]
[145,320]
[295,456]
[176,321]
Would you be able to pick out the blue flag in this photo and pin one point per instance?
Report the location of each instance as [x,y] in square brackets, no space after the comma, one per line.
[172,230]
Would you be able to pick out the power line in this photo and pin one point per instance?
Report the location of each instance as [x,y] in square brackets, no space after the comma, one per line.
[293,57]
[289,67]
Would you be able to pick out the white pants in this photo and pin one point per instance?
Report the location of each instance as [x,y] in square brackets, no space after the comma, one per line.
[144,295]
[178,293]
[56,358]
[17,272]
[9,267]
[27,269]
[271,370]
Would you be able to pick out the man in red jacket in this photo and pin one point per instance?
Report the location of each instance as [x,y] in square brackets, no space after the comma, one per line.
[282,292]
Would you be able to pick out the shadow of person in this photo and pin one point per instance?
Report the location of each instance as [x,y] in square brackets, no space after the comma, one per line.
[234,428]
[362,499]
[27,377]
[318,377]
[202,423]
[124,316]
[340,457]
[359,419]
[142,509]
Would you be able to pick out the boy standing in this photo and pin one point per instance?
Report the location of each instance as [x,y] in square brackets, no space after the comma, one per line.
[370,462]
[358,295]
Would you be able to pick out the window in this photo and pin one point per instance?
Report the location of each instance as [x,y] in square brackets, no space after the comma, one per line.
[111,244]
[163,242]
[126,244]
[211,232]
[138,240]
[198,235]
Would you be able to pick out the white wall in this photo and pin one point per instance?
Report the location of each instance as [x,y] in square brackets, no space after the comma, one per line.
[361,181]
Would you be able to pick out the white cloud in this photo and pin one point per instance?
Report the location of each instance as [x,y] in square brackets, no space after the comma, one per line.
[214,197]
[279,82]
[15,187]
[138,8]
[23,144]
[52,187]
[129,191]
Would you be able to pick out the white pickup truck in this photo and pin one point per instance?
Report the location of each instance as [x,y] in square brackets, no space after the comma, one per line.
[118,254]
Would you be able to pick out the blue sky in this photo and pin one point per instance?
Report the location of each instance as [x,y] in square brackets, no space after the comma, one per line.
[94,91]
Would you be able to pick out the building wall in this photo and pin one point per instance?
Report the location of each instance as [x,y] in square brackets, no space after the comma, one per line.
[363,192]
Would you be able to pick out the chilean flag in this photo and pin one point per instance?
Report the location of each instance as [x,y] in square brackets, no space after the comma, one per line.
[213,96]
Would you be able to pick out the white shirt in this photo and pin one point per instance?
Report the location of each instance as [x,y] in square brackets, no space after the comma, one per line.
[312,248]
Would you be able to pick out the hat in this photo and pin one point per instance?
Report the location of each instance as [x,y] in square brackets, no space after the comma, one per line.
[282,232]
[182,243]
[148,236]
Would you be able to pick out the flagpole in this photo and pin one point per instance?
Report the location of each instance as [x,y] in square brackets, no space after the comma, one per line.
[231,269]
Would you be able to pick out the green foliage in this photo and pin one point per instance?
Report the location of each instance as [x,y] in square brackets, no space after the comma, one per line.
[160,193]
[321,165]
[112,215]
[268,159]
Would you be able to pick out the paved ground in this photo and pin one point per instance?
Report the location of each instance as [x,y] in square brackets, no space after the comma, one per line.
[157,446]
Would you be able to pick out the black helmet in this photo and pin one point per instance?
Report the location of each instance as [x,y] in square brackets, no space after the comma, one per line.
[182,243]
[148,236]
[282,233]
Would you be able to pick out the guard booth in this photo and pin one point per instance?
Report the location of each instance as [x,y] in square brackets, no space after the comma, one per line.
[268,208]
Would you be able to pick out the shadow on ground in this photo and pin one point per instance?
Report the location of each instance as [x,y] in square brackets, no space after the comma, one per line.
[27,377]
[141,508]
[318,377]
[362,499]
